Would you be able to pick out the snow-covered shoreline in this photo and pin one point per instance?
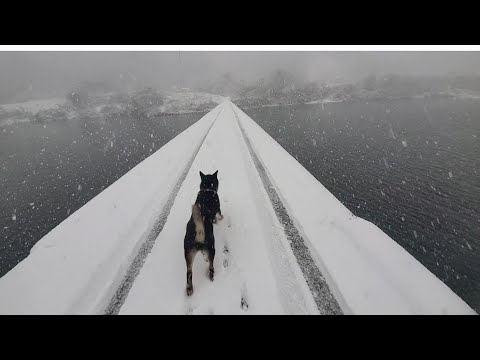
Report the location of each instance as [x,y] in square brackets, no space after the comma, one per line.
[174,102]
[183,102]
[34,106]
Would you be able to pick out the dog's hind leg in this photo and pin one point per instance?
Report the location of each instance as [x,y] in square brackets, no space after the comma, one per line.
[189,257]
[211,257]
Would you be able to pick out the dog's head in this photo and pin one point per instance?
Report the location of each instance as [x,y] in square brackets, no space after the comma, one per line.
[209,182]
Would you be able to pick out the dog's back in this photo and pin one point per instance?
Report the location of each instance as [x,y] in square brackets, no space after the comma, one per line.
[209,202]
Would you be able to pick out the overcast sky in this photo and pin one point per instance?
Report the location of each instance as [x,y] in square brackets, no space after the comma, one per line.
[48,72]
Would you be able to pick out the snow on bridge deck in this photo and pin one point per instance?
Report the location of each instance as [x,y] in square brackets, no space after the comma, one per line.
[285,246]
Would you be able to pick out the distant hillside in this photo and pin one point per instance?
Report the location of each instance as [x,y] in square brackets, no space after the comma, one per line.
[282,88]
[225,85]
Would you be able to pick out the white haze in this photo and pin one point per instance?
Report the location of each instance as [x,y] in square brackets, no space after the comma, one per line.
[50,74]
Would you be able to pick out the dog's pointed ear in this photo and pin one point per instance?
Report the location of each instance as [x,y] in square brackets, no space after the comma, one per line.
[215,173]
[202,176]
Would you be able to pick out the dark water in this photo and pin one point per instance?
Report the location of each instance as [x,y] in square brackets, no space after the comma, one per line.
[47,171]
[409,166]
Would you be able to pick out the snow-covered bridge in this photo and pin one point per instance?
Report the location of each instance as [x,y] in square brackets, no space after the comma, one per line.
[285,246]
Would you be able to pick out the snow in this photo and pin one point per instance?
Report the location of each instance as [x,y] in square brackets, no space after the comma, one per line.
[368,271]
[258,265]
[34,106]
[464,94]
[13,121]
[175,102]
[186,101]
[78,266]
[74,269]
[323,101]
[386,163]
[390,132]
[20,112]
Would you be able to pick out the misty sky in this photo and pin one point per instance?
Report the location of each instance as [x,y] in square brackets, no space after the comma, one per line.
[53,73]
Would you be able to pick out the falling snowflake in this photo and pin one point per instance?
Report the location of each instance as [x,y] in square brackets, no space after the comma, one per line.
[386,164]
[391,133]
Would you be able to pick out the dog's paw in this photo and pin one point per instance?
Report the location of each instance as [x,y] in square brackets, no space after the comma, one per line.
[189,291]
[244,304]
[211,273]
[217,217]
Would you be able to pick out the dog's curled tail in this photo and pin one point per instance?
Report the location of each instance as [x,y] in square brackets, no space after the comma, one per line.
[199,227]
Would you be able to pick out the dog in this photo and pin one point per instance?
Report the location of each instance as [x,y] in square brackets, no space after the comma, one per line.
[199,233]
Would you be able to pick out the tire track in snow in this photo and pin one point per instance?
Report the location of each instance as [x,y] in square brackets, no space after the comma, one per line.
[122,291]
[324,299]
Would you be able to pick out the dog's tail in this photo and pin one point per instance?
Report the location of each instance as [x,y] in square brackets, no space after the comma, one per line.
[199,226]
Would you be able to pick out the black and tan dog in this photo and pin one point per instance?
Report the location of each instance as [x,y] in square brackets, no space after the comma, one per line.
[199,234]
